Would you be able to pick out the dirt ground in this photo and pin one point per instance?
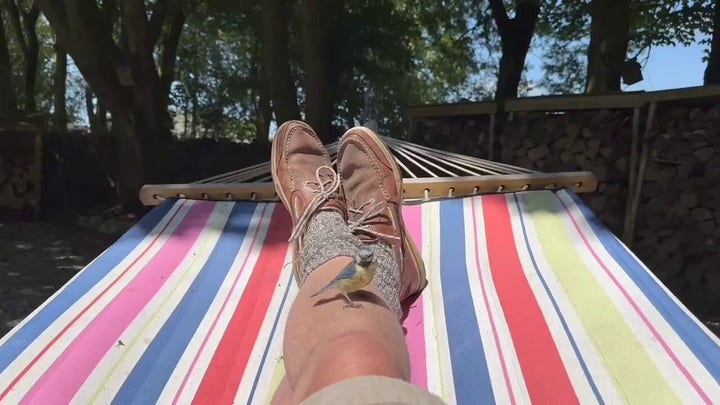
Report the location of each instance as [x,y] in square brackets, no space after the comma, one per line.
[38,258]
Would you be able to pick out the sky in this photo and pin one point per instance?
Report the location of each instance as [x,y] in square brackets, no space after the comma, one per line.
[668,67]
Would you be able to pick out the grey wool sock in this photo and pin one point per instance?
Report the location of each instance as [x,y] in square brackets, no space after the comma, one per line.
[387,277]
[328,236]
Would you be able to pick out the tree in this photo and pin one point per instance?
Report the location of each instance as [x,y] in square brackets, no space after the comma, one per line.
[276,60]
[609,36]
[321,76]
[8,102]
[564,28]
[123,73]
[60,118]
[712,71]
[515,37]
[24,24]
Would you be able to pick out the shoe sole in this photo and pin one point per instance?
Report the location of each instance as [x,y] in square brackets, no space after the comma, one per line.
[415,255]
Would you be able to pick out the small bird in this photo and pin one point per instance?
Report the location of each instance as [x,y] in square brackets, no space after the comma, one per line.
[356,275]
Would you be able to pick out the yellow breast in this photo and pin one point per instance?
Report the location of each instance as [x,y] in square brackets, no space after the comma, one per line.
[362,278]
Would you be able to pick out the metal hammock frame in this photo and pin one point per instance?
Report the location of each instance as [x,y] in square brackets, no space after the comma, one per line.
[427,174]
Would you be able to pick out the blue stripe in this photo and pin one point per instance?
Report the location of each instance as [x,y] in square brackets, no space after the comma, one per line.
[470,373]
[555,305]
[152,371]
[86,279]
[697,339]
[272,336]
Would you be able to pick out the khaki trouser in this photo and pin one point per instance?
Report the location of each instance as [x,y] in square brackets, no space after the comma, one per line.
[372,390]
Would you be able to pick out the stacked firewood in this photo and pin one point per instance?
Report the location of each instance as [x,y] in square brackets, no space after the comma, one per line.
[677,231]
[596,141]
[679,220]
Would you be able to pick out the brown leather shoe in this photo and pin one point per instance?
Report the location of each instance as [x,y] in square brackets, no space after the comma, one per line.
[304,178]
[372,186]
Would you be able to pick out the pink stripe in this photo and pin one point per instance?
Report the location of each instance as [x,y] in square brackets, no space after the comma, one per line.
[64,377]
[199,351]
[637,309]
[415,335]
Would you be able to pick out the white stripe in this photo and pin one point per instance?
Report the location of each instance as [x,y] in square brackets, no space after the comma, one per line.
[657,353]
[110,373]
[33,374]
[692,318]
[232,288]
[439,368]
[634,322]
[598,372]
[482,288]
[265,339]
[595,239]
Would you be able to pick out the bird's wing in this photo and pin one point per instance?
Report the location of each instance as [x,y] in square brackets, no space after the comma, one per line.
[347,272]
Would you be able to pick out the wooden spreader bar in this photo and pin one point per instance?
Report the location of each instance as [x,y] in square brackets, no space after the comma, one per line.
[414,188]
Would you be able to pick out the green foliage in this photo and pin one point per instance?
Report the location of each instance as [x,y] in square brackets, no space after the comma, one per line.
[408,51]
[564,30]
[216,79]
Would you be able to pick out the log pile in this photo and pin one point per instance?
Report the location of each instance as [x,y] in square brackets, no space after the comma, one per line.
[598,141]
[677,232]
[678,228]
[465,136]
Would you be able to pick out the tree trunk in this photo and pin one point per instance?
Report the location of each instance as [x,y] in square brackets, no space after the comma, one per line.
[712,71]
[124,77]
[264,115]
[101,117]
[148,108]
[170,41]
[515,37]
[185,119]
[609,36]
[320,79]
[276,60]
[133,167]
[262,109]
[31,57]
[25,26]
[90,109]
[59,89]
[194,112]
[8,102]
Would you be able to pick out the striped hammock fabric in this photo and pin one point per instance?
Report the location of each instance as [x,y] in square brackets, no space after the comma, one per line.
[530,299]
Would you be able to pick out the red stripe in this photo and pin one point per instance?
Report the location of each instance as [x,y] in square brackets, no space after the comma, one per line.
[545,375]
[72,322]
[488,309]
[226,368]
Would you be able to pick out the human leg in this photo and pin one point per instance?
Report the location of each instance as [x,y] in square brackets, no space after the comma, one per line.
[325,342]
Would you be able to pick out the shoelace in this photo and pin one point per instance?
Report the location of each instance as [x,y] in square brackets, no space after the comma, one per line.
[323,192]
[374,210]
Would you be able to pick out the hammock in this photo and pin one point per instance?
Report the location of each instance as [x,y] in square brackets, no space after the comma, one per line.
[530,299]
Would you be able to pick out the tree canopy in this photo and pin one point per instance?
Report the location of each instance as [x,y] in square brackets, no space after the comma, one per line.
[150,72]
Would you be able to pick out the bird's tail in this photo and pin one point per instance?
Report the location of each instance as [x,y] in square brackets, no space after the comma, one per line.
[327,287]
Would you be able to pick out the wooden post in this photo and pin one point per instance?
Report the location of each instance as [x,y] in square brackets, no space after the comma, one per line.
[632,175]
[635,182]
